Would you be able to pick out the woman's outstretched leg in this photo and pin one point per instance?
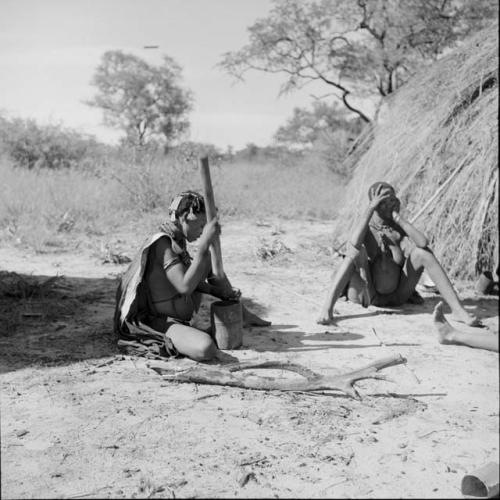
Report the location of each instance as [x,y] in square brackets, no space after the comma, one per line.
[449,335]
[424,258]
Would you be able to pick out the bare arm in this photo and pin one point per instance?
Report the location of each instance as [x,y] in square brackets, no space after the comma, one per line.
[413,233]
[187,281]
[223,293]
[359,233]
[346,268]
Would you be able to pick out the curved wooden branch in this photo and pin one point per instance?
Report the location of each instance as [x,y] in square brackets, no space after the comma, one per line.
[273,365]
[229,376]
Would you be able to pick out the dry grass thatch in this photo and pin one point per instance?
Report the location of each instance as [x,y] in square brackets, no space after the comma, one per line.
[443,123]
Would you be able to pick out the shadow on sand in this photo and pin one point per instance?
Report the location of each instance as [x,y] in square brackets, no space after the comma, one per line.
[56,321]
[286,337]
[49,320]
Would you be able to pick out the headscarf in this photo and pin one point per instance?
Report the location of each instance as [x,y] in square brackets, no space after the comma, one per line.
[172,229]
[197,204]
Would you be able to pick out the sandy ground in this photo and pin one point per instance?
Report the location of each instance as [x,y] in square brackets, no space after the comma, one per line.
[81,420]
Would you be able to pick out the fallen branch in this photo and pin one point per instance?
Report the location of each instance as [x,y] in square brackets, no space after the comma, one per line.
[229,376]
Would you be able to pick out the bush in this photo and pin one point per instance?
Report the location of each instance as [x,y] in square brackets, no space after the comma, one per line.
[331,149]
[30,145]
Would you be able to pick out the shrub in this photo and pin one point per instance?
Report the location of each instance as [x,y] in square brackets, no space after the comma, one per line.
[30,145]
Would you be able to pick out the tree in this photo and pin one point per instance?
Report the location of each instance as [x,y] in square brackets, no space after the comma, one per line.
[357,48]
[307,126]
[324,134]
[145,101]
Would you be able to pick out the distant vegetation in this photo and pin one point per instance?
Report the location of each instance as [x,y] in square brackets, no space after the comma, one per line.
[30,145]
[324,134]
[61,189]
[147,102]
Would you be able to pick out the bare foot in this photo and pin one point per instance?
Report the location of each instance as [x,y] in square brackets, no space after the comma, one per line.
[467,319]
[224,358]
[444,329]
[325,319]
[251,319]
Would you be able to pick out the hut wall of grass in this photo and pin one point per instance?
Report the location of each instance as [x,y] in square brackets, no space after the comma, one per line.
[440,135]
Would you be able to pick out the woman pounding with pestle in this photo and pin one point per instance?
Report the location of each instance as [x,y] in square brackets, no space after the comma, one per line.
[161,289]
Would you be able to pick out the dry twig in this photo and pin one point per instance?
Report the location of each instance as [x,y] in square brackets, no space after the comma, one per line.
[231,376]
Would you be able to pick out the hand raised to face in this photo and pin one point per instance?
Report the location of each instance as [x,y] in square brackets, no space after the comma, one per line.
[381,194]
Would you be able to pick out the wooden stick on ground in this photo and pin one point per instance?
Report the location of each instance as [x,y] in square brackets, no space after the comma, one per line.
[208,194]
[228,375]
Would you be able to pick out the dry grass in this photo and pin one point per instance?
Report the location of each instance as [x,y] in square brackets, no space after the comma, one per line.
[58,210]
[51,210]
[444,119]
[42,209]
[259,191]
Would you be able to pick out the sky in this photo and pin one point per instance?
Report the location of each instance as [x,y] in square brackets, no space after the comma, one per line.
[49,50]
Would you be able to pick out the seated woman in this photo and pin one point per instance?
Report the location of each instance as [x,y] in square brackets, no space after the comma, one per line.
[161,290]
[385,259]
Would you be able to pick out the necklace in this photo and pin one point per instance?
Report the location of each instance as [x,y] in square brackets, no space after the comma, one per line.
[381,226]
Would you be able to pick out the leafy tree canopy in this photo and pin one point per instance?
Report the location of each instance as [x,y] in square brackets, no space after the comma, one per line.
[357,48]
[145,101]
[307,126]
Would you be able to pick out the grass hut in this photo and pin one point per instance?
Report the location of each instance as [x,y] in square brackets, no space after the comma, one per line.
[437,143]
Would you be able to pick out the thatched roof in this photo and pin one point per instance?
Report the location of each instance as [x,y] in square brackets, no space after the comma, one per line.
[444,119]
